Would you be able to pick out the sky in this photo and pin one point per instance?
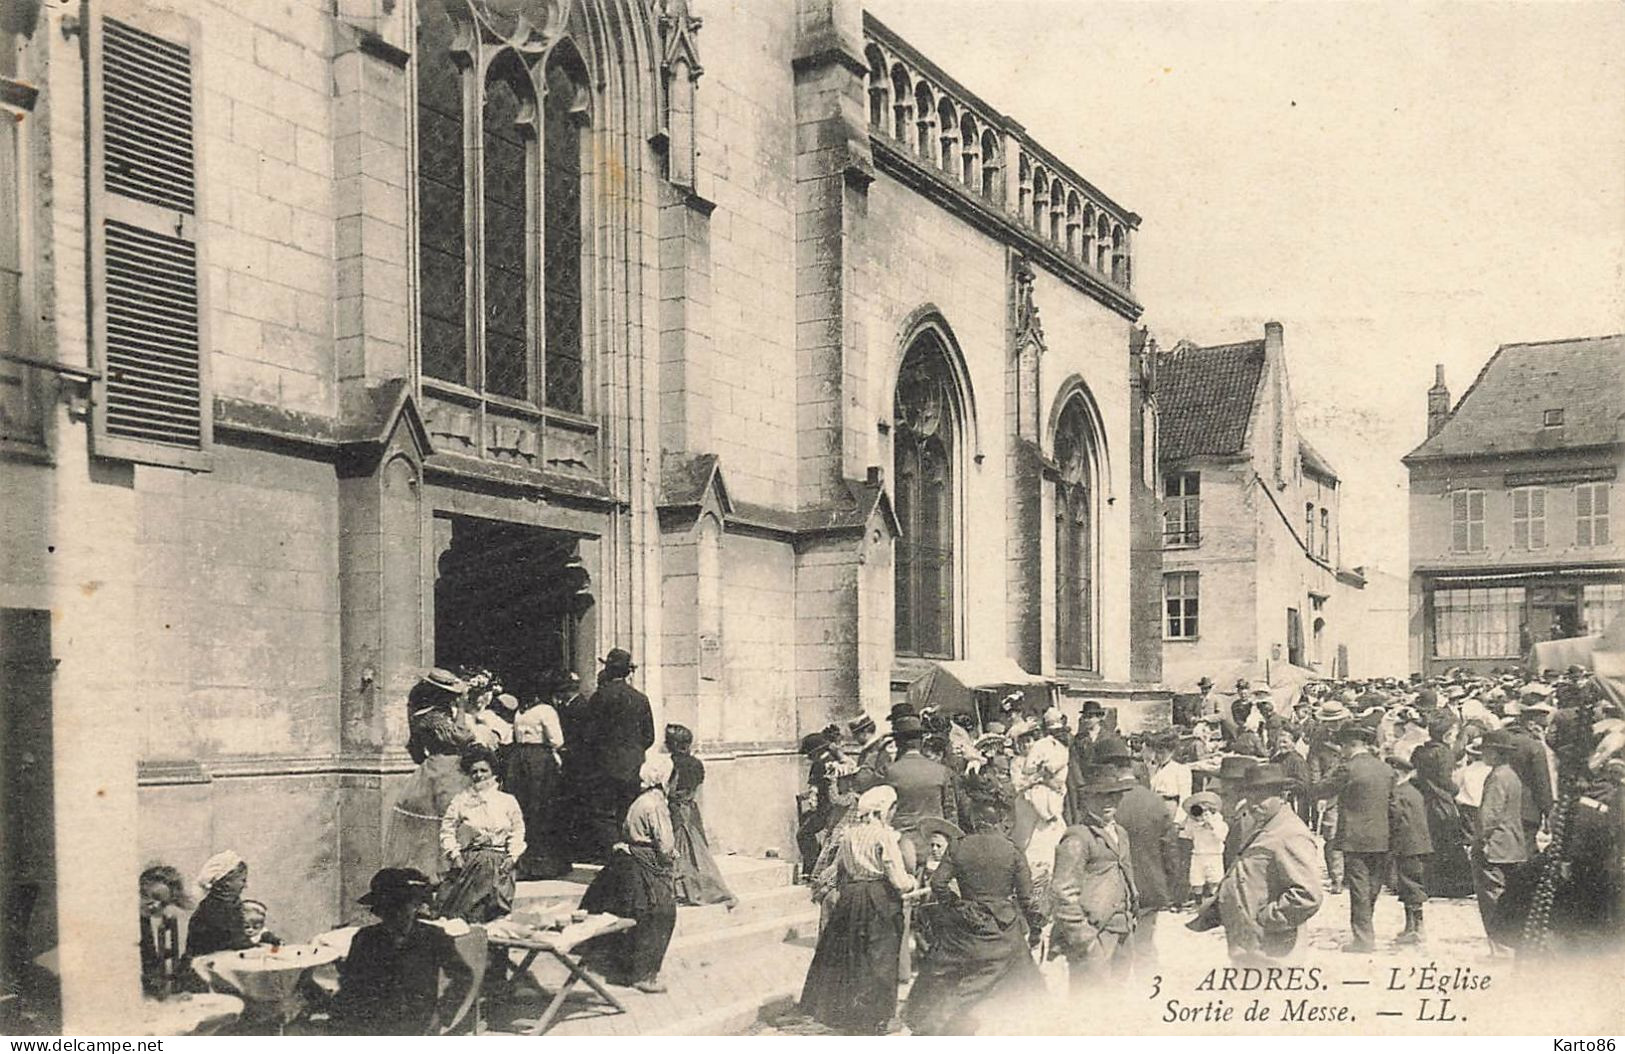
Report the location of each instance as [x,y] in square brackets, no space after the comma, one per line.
[1398,184]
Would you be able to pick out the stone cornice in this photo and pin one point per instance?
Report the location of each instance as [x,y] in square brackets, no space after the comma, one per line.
[193,771]
[993,222]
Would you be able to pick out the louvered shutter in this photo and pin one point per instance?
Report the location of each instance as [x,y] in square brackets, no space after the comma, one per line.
[1458,521]
[1520,519]
[1475,520]
[1582,514]
[1537,518]
[148,317]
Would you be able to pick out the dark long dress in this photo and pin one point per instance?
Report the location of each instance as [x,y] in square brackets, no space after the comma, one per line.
[852,983]
[1449,873]
[533,777]
[980,950]
[699,880]
[638,885]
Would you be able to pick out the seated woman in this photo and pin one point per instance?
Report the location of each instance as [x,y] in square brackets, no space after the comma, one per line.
[637,883]
[852,983]
[981,937]
[163,904]
[699,880]
[217,925]
[389,983]
[483,837]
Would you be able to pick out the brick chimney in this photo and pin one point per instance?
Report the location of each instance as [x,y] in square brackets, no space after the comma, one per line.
[1438,402]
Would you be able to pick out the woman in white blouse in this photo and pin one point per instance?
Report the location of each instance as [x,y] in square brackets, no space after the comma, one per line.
[852,983]
[482,835]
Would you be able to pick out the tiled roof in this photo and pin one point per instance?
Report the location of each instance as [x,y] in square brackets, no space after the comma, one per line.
[1503,412]
[1205,398]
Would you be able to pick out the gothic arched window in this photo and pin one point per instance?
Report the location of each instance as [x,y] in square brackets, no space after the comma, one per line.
[564,110]
[499,209]
[926,419]
[1074,539]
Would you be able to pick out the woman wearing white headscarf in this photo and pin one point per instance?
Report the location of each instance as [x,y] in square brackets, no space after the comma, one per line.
[217,924]
[638,882]
[852,983]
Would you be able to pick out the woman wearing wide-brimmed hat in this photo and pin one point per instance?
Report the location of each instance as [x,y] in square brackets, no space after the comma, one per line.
[438,736]
[852,983]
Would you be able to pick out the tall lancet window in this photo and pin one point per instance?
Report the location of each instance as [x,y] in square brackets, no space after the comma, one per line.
[925,436]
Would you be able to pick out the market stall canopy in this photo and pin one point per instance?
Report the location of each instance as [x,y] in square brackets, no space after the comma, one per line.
[1601,653]
[953,687]
[1283,678]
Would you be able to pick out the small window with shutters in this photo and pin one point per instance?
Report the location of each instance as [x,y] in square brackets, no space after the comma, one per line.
[148,315]
[1467,521]
[1529,518]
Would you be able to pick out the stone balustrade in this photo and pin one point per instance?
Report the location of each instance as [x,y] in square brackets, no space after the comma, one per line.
[931,118]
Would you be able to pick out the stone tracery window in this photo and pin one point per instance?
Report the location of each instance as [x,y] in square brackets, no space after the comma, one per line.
[925,123]
[991,188]
[926,419]
[948,127]
[501,206]
[1074,540]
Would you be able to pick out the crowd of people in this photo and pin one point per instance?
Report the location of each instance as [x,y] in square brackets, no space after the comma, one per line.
[990,849]
[503,791]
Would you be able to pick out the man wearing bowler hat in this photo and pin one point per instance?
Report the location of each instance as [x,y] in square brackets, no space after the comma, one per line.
[1364,788]
[1095,897]
[1273,888]
[925,788]
[623,728]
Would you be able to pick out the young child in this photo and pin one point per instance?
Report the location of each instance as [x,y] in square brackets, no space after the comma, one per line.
[1206,830]
[254,919]
[1411,844]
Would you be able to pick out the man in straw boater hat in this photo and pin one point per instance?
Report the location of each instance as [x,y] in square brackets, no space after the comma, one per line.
[1095,899]
[1273,888]
[389,982]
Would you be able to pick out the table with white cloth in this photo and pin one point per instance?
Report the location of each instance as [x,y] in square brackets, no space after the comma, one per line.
[516,933]
[268,977]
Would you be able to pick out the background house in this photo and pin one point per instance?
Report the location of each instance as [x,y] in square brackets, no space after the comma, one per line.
[1252,552]
[1514,505]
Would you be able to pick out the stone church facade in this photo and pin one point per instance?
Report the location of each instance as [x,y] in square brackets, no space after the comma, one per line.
[347,339]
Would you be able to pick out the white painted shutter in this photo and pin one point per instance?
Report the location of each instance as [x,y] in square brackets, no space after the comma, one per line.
[152,404]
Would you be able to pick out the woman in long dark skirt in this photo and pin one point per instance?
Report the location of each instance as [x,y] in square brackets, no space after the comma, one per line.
[699,880]
[852,983]
[980,942]
[535,777]
[1449,873]
[637,883]
[483,836]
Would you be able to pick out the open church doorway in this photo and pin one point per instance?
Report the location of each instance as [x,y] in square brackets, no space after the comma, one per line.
[510,598]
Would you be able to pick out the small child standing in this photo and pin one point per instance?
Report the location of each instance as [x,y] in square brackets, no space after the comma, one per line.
[1411,844]
[1206,830]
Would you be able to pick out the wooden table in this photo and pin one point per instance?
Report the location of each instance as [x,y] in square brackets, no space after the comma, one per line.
[561,945]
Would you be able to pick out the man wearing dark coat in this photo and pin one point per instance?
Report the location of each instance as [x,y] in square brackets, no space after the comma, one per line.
[622,728]
[1449,872]
[1529,762]
[1153,843]
[1093,886]
[1364,788]
[924,787]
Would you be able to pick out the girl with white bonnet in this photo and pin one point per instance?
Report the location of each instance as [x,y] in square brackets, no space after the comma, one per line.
[852,983]
[639,883]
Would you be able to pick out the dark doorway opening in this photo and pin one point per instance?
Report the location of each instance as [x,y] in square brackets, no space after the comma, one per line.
[510,598]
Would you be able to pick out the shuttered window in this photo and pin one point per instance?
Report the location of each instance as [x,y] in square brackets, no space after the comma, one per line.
[152,403]
[1529,518]
[1467,521]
